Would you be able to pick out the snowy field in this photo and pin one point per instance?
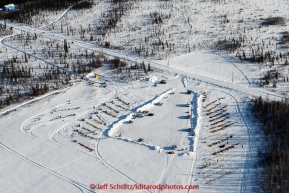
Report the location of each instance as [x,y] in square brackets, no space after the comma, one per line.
[186,122]
[83,136]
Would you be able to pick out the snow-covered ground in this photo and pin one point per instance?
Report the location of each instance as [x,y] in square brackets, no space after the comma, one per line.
[66,139]
[200,131]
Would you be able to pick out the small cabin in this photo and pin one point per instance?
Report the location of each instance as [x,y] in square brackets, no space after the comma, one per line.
[9,8]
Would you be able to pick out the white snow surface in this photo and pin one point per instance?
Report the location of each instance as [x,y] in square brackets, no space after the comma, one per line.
[67,140]
[39,143]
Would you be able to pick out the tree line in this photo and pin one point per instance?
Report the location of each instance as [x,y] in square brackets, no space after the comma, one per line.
[26,9]
[273,176]
[19,81]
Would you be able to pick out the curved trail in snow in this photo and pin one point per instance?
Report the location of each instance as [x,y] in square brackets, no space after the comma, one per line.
[169,167]
[52,140]
[112,167]
[80,187]
[31,101]
[114,53]
[242,188]
[38,58]
[249,83]
[59,18]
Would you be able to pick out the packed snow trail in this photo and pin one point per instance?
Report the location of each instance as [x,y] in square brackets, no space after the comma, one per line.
[77,185]
[24,52]
[59,18]
[242,187]
[255,92]
[31,101]
[38,58]
[249,84]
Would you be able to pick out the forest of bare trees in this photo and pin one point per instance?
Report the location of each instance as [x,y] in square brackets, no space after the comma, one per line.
[20,82]
[273,176]
[4,30]
[26,9]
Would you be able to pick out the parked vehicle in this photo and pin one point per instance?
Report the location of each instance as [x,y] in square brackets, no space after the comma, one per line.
[188,104]
[139,115]
[151,114]
[163,82]
[159,104]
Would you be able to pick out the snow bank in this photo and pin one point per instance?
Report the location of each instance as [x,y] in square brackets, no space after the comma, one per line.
[151,103]
[117,124]
[199,122]
[156,148]
[90,75]
[146,106]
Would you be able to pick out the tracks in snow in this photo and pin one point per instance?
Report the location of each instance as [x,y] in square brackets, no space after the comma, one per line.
[114,53]
[243,187]
[80,187]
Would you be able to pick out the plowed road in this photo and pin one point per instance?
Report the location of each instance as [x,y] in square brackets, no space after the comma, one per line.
[82,44]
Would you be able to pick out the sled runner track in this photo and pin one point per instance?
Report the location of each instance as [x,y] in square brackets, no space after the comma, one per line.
[52,140]
[242,186]
[168,169]
[22,126]
[33,100]
[80,187]
[60,17]
[164,170]
[236,68]
[110,166]
[22,129]
[100,159]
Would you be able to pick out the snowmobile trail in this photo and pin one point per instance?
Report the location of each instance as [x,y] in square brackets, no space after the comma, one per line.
[114,53]
[81,188]
[110,166]
[243,186]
